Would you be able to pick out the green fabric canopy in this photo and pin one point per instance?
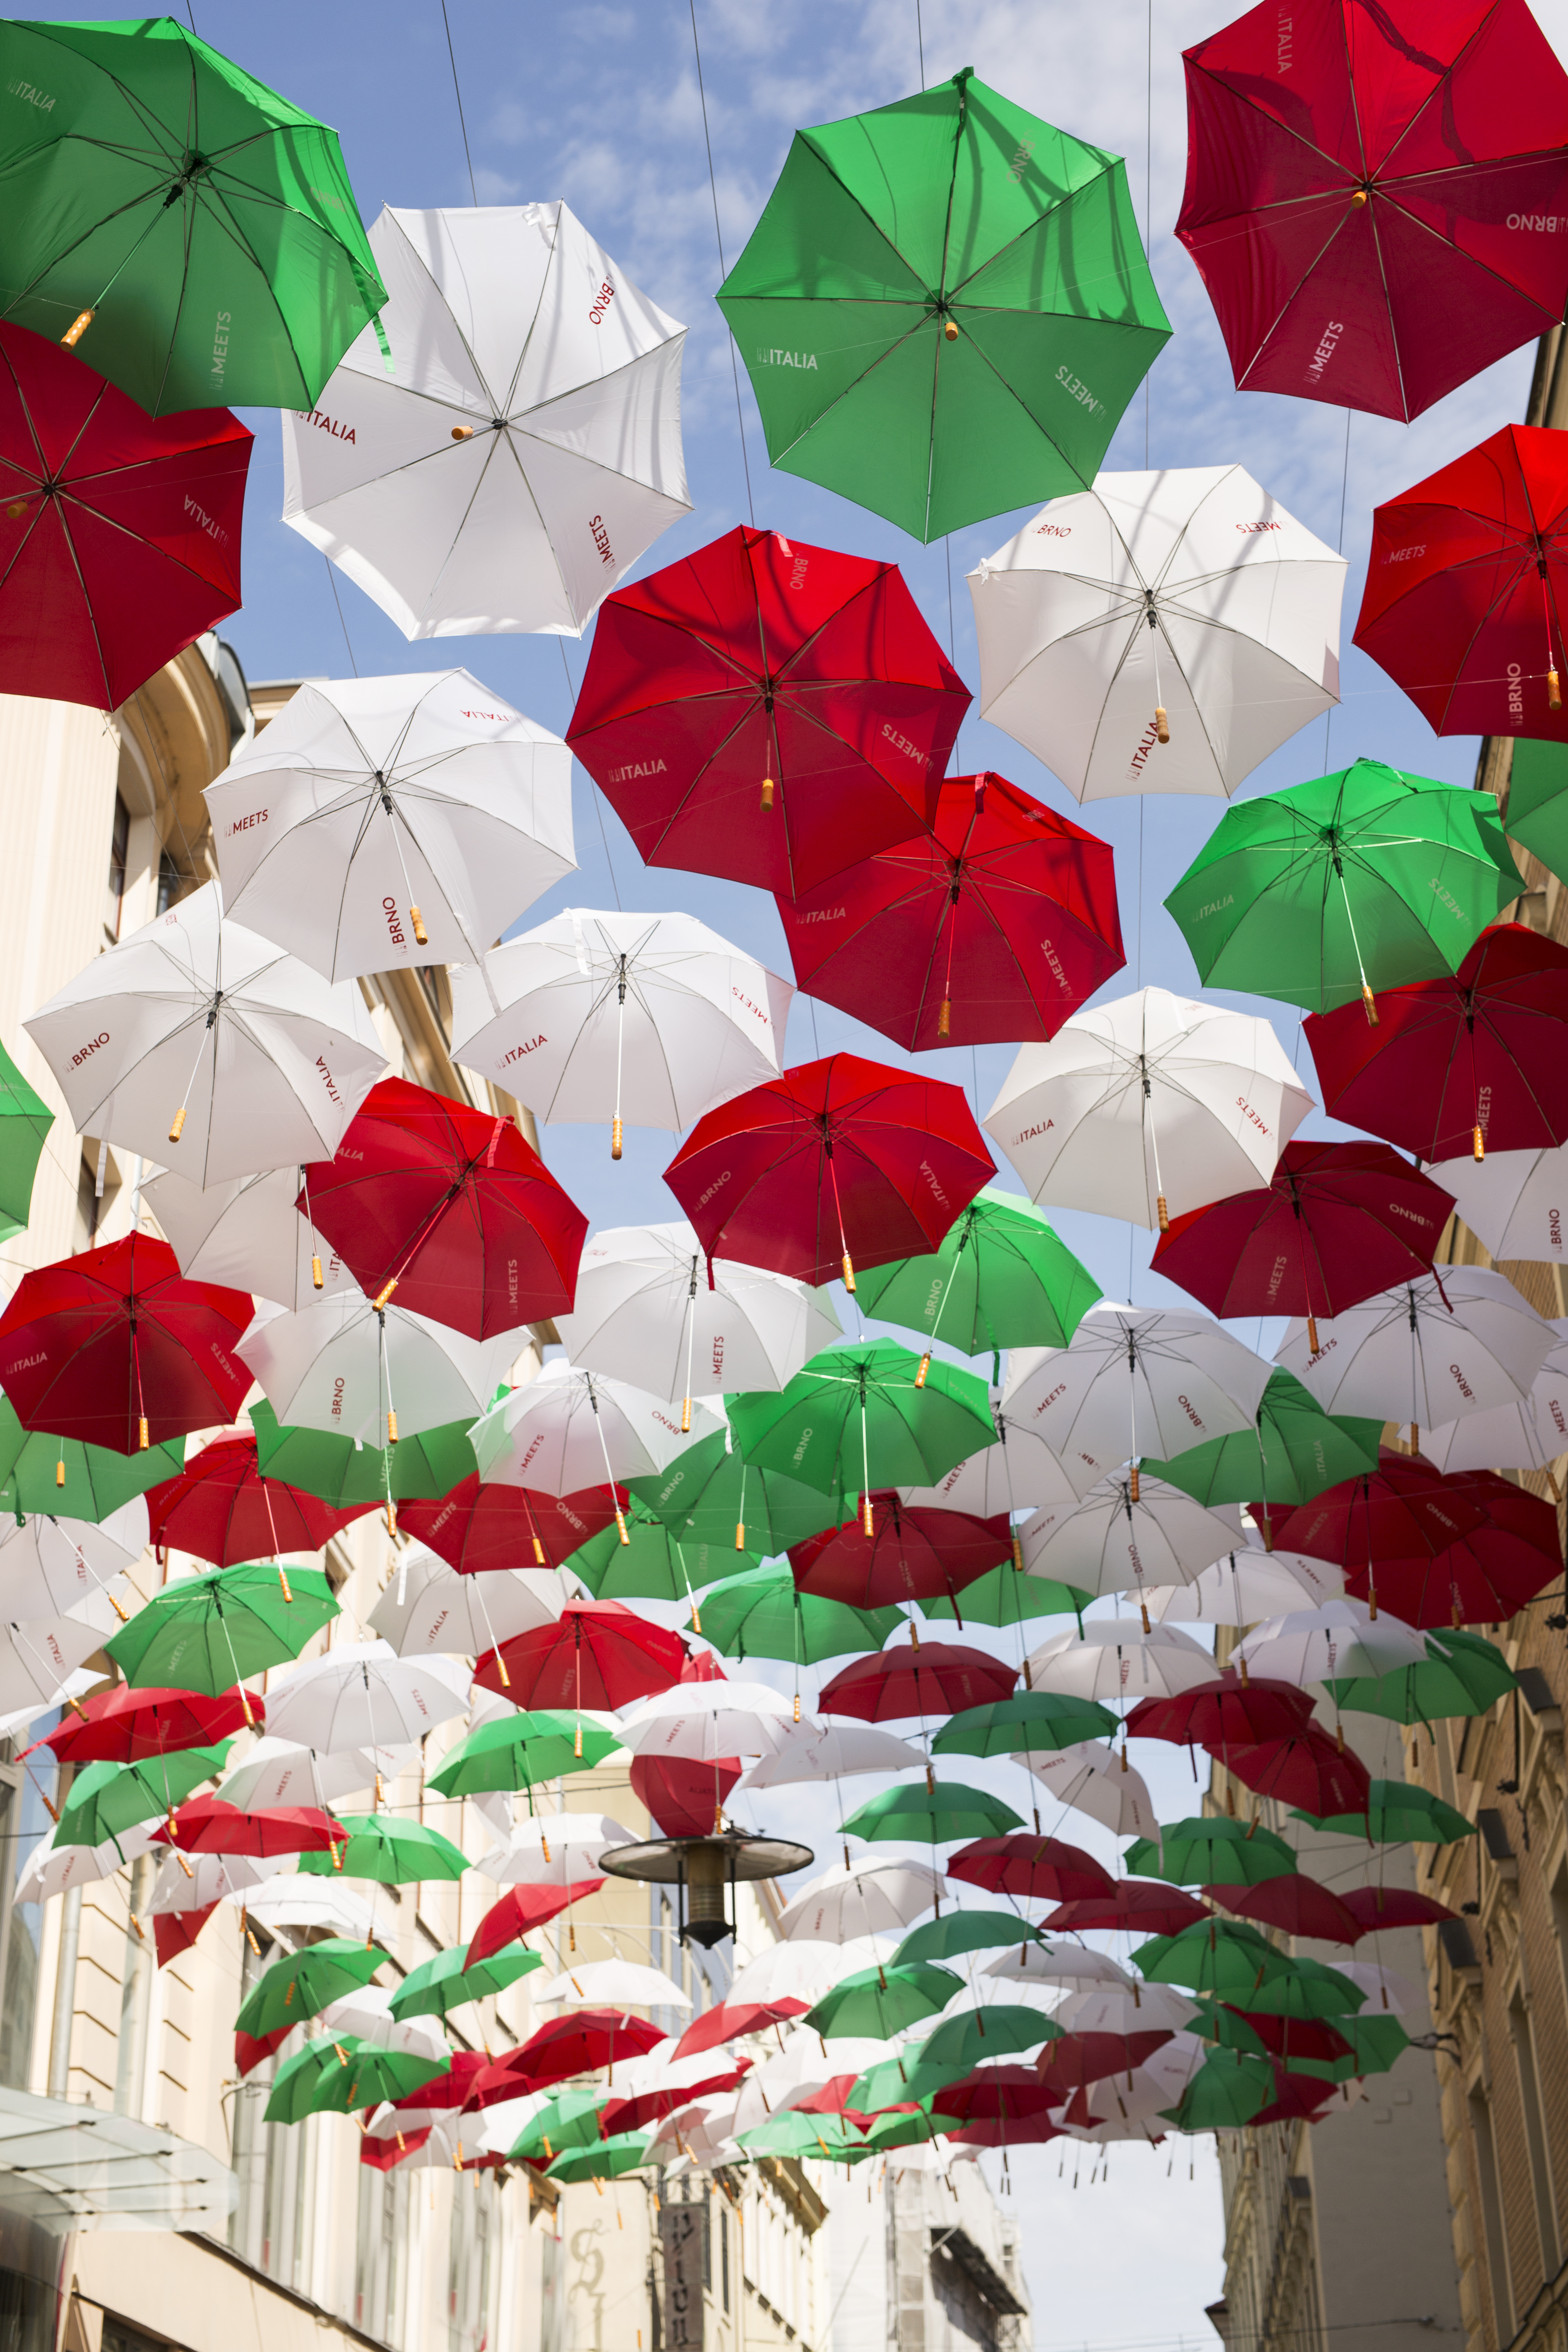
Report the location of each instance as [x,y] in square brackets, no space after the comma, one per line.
[1295,1450]
[420,1467]
[931,1815]
[393,1853]
[658,1563]
[205,1632]
[97,1480]
[1000,1279]
[24,1123]
[106,1800]
[1462,1673]
[1029,1723]
[1211,1850]
[513,1751]
[711,1495]
[763,1614]
[1398,1812]
[863,1415]
[435,1985]
[880,2001]
[1537,802]
[1008,1596]
[295,1988]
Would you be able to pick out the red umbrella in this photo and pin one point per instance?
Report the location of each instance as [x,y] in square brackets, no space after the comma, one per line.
[1039,1868]
[221,1508]
[1146,1906]
[1467,591]
[1285,2038]
[1309,1769]
[1335,1223]
[250,2049]
[996,925]
[767,711]
[836,1160]
[578,2044]
[123,1725]
[174,1932]
[995,2093]
[449,1207]
[1483,1579]
[1011,2131]
[939,1678]
[598,1653]
[480,1526]
[212,1825]
[444,2092]
[1464,1064]
[653,2106]
[116,1347]
[1358,177]
[1298,2098]
[521,1910]
[1296,1905]
[1377,1907]
[1470,1546]
[732,2019]
[1224,1713]
[914,1553]
[1076,2060]
[1403,1509]
[682,1795]
[383,2152]
[120,532]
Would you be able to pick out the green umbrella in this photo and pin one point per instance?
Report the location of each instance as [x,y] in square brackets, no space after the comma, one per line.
[713,1495]
[1538,800]
[763,1614]
[207,1631]
[656,1564]
[1308,1989]
[1000,2030]
[622,2152]
[422,1466]
[299,2079]
[933,1815]
[435,1985]
[106,1800]
[1001,1279]
[96,1482]
[1295,1450]
[513,1751]
[1357,881]
[295,1988]
[965,1931]
[1462,1675]
[945,307]
[1376,2042]
[1398,1812]
[887,2084]
[1229,2088]
[1226,1957]
[864,1416]
[570,2119]
[826,2139]
[1007,1596]
[211,235]
[1028,1722]
[1217,2021]
[24,1124]
[881,2001]
[902,2130]
[1210,1851]
[393,1853]
[373,2075]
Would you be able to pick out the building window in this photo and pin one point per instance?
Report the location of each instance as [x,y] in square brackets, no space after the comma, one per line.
[119,854]
[171,882]
[1491,2216]
[724,2255]
[1524,2039]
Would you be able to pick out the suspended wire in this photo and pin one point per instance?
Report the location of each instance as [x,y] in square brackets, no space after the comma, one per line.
[457,91]
[332,584]
[718,240]
[920,41]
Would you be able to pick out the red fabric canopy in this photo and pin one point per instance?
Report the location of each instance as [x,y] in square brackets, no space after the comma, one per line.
[221,1508]
[914,1552]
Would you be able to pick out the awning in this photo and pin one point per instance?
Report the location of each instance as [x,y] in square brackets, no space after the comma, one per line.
[981,2272]
[73,2167]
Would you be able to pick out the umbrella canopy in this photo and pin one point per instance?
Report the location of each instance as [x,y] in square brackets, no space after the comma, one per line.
[569,1429]
[1030,1720]
[880,2002]
[1292,1452]
[1116,1659]
[1245,1586]
[1160,632]
[1135,1380]
[519,1911]
[911,1553]
[837,1160]
[1325,894]
[1396,1813]
[937,1678]
[106,1800]
[195,1024]
[762,1613]
[994,2029]
[477,805]
[352,1368]
[938,941]
[519,446]
[1007,1596]
[429,1608]
[222,1508]
[1376,1907]
[1094,1780]
[1458,1067]
[620,2153]
[580,2043]
[820,1751]
[709,1494]
[483,1526]
[621,1981]
[1122,1533]
[1224,1713]
[49,1566]
[558,1848]
[873,1895]
[598,1654]
[1228,2089]
[1458,1673]
[867,1415]
[1310,1988]
[1343,191]
[450,1208]
[1415,1528]
[303,1982]
[1296,1905]
[1209,1096]
[125,1724]
[247,1232]
[1535,804]
[706,1721]
[732,2021]
[1031,1867]
[360,1695]
[275,1771]
[1224,1957]
[1001,1278]
[204,1633]
[393,1853]
[1019,1473]
[1141,1905]
[926,266]
[97,1482]
[1065,1964]
[1338,1638]
[767,711]
[934,1813]
[1512,1201]
[1448,1344]
[1523,1437]
[212,1825]
[112,1347]
[24,1123]
[1211,1851]
[654,1564]
[513,1751]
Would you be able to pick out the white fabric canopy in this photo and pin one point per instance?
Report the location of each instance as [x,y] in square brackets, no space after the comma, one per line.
[1116,1659]
[49,1566]
[362,1694]
[571,1429]
[1530,1435]
[1517,1201]
[1434,1349]
[428,1608]
[1108,1543]
[1135,1380]
[325,1368]
[645,1311]
[868,1898]
[1089,1776]
[247,1234]
[1245,1586]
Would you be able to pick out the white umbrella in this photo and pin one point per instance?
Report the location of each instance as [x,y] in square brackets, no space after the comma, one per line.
[1530,1435]
[50,1566]
[519,449]
[211,1877]
[616,1984]
[571,1429]
[366,2014]
[282,1772]
[347,1366]
[1116,1659]
[1019,1473]
[1063,1964]
[803,1969]
[646,1311]
[1147,1107]
[707,1721]
[429,1608]
[296,1902]
[196,1023]
[868,1898]
[1136,1380]
[1516,1201]
[1160,633]
[385,822]
[247,1234]
[1341,1638]
[640,1020]
[13,1725]
[699,2135]
[50,1870]
[1385,1989]
[1115,1542]
[362,1694]
[825,1748]
[38,1653]
[804,2066]
[1245,1586]
[1436,1350]
[1126,2009]
[1092,1779]
[557,1849]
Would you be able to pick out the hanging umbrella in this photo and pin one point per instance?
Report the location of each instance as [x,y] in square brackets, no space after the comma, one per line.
[709,1494]
[1001,1278]
[1029,1720]
[868,1414]
[1453,1342]
[580,2043]
[449,1208]
[392,1853]
[836,1160]
[654,1565]
[1458,1065]
[762,1613]
[1008,1596]
[1246,1585]
[126,1723]
[107,1799]
[1335,889]
[1537,776]
[1135,1380]
[598,1654]
[909,1554]
[476,802]
[1293,1451]
[50,1566]
[569,1429]
[1346,191]
[301,1984]
[1309,1988]
[933,1813]
[767,711]
[24,1124]
[97,1481]
[994,2029]
[622,2153]
[880,2002]
[1336,1639]
[247,1232]
[1092,1779]
[1487,1576]
[707,1721]
[519,447]
[1211,1851]
[878,1895]
[352,1368]
[923,251]
[519,1911]
[1456,1675]
[570,2119]
[816,1750]
[50,1870]
[292,1055]
[515,1750]
[276,1771]
[1067,1965]
[1030,1868]
[937,1678]
[938,940]
[559,1849]
[211,1878]
[1018,1473]
[425,1463]
[1513,1201]
[1121,1533]
[113,1347]
[221,1508]
[1115,1658]
[1376,1907]
[622,1982]
[1228,2089]
[361,1694]
[1223,1713]
[684,1798]
[212,1825]
[205,1632]
[1524,1436]
[1141,1905]
[437,1609]
[1295,1905]
[1338,1221]
[1160,632]
[479,1528]
[732,2020]
[1396,1813]
[1223,1956]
